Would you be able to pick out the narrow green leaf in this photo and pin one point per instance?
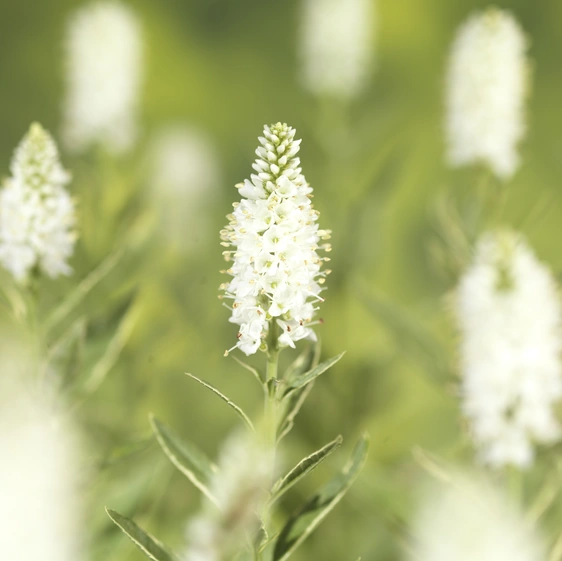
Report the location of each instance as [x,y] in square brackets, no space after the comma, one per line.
[294,400]
[311,375]
[193,463]
[66,353]
[150,546]
[267,542]
[238,410]
[414,338]
[432,464]
[306,361]
[82,290]
[113,350]
[305,466]
[293,403]
[310,515]
[125,451]
[250,369]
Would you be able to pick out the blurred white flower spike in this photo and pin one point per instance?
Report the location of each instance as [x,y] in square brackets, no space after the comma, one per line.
[40,511]
[239,487]
[466,519]
[275,267]
[37,214]
[510,320]
[184,177]
[487,85]
[337,46]
[103,73]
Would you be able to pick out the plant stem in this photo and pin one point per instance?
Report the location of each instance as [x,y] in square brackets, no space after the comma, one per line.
[514,484]
[271,410]
[271,404]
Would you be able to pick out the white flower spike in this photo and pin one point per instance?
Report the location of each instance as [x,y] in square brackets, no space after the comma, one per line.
[510,320]
[104,59]
[37,215]
[184,175]
[40,511]
[337,46]
[487,83]
[239,487]
[467,519]
[274,238]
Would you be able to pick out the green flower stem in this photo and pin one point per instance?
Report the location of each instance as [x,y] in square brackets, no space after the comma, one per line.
[514,484]
[271,410]
[271,405]
[31,296]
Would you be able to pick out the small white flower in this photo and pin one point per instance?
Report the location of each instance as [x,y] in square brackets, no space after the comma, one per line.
[510,320]
[37,215]
[336,39]
[487,83]
[240,487]
[273,231]
[40,514]
[104,56]
[184,179]
[467,519]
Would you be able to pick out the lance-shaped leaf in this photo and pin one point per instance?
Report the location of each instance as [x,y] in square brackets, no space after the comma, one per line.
[305,466]
[150,546]
[308,517]
[236,408]
[292,405]
[307,377]
[125,451]
[114,347]
[72,301]
[193,463]
[250,369]
[294,400]
[306,361]
[66,354]
[414,338]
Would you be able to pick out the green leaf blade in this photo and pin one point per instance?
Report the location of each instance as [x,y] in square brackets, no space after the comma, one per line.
[150,546]
[311,375]
[306,361]
[304,467]
[193,463]
[250,369]
[307,518]
[227,400]
[85,286]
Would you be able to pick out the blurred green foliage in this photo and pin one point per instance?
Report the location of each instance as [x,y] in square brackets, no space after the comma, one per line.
[377,169]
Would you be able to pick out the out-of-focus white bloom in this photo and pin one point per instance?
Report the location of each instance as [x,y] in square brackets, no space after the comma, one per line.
[240,488]
[487,83]
[37,215]
[276,269]
[467,520]
[510,321]
[104,56]
[40,515]
[184,175]
[337,46]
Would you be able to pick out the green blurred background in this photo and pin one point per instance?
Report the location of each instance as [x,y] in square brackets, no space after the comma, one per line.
[376,164]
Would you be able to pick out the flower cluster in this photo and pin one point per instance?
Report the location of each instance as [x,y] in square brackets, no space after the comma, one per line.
[337,46]
[184,175]
[40,511]
[510,320]
[104,52]
[276,270]
[239,488]
[466,519]
[486,88]
[37,214]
